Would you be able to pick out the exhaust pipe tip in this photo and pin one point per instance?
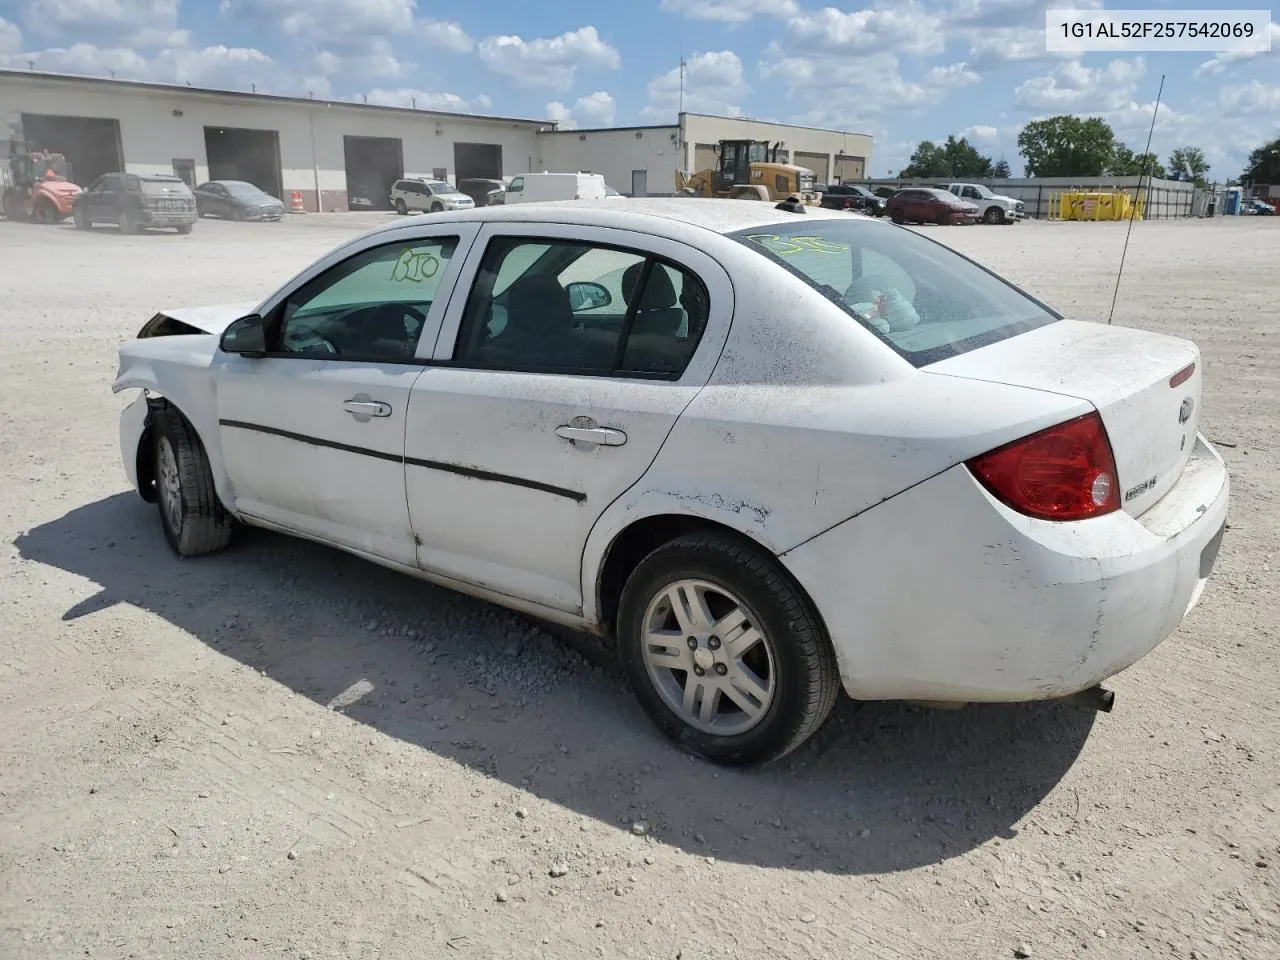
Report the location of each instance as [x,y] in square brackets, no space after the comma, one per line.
[1096,697]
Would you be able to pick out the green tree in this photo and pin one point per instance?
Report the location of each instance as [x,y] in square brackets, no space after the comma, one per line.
[1000,169]
[1067,146]
[1263,165]
[964,161]
[1189,163]
[953,158]
[1126,163]
[929,160]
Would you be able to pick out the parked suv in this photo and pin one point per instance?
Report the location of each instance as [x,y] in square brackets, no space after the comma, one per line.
[136,202]
[432,195]
[925,205]
[850,196]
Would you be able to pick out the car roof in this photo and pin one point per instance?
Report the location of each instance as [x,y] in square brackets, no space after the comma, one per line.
[716,215]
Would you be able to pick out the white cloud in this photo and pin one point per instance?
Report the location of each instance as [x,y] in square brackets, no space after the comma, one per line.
[952,75]
[134,23]
[980,132]
[446,34]
[1250,101]
[10,37]
[714,83]
[427,100]
[730,11]
[331,22]
[900,28]
[594,110]
[1073,87]
[1226,58]
[373,58]
[551,63]
[218,66]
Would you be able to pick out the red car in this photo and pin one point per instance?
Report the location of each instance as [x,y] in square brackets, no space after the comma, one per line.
[925,205]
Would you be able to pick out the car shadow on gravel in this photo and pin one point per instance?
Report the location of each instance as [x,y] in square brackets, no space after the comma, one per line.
[883,787]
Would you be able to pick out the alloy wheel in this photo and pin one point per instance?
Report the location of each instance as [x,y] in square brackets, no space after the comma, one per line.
[170,485]
[708,657]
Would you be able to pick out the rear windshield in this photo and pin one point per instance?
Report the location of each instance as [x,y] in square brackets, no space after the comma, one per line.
[161,184]
[922,299]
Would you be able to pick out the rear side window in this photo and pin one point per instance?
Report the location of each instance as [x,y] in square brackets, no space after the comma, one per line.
[570,307]
[923,300]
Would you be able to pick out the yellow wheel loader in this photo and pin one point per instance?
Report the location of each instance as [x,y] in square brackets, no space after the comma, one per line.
[749,170]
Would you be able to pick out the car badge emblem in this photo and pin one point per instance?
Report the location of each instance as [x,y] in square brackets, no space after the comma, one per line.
[1184,412]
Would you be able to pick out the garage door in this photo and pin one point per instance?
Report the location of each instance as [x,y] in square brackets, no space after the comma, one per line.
[817,162]
[851,168]
[90,144]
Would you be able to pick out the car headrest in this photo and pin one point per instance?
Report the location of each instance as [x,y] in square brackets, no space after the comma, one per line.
[538,304]
[659,292]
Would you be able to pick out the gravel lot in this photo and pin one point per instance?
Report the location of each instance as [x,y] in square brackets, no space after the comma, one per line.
[281,751]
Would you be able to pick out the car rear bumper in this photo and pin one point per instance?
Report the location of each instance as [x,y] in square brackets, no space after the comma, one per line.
[943,593]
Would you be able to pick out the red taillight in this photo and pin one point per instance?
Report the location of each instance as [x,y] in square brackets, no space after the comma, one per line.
[1182,376]
[1066,472]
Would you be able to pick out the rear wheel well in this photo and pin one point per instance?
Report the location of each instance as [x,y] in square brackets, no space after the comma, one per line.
[634,544]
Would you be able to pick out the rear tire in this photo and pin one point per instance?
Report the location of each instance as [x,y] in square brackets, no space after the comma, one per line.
[772,679]
[184,228]
[45,213]
[193,518]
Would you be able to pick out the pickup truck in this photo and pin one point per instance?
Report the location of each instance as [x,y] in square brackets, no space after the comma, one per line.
[995,207]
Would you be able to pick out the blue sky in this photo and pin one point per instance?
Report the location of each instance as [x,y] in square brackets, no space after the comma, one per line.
[899,71]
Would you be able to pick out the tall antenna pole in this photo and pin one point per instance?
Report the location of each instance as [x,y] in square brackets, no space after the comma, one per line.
[682,78]
[1136,190]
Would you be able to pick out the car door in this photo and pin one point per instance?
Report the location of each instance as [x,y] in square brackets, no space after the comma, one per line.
[533,418]
[105,198]
[312,432]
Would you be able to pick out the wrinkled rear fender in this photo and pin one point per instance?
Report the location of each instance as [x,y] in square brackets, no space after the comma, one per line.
[175,370]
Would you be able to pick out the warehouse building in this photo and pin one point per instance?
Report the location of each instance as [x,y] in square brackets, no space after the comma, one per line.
[333,152]
[642,161]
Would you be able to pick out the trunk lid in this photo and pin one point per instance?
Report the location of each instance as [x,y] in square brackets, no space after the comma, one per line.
[1135,379]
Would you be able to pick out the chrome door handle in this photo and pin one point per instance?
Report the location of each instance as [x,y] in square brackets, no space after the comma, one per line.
[363,409]
[604,436]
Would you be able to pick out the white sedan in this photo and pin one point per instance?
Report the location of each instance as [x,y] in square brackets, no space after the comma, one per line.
[772,454]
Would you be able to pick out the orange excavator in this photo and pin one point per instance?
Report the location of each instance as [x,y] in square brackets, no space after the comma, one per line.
[39,187]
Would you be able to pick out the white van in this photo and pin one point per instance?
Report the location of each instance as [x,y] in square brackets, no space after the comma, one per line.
[539,187]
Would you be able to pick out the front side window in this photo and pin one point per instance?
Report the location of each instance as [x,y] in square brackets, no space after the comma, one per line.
[922,299]
[516,185]
[370,307]
[560,305]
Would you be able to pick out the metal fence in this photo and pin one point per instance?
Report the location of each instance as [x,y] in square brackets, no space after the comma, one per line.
[1162,199]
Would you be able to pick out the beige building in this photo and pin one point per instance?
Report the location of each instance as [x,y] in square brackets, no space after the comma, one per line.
[642,161]
[332,152]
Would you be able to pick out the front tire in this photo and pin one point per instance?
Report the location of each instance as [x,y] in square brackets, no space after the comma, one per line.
[183,228]
[724,651]
[402,208]
[127,223]
[193,518]
[82,220]
[437,207]
[993,215]
[897,218]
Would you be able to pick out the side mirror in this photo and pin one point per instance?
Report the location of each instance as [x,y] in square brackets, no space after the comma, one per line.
[246,337]
[585,295]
